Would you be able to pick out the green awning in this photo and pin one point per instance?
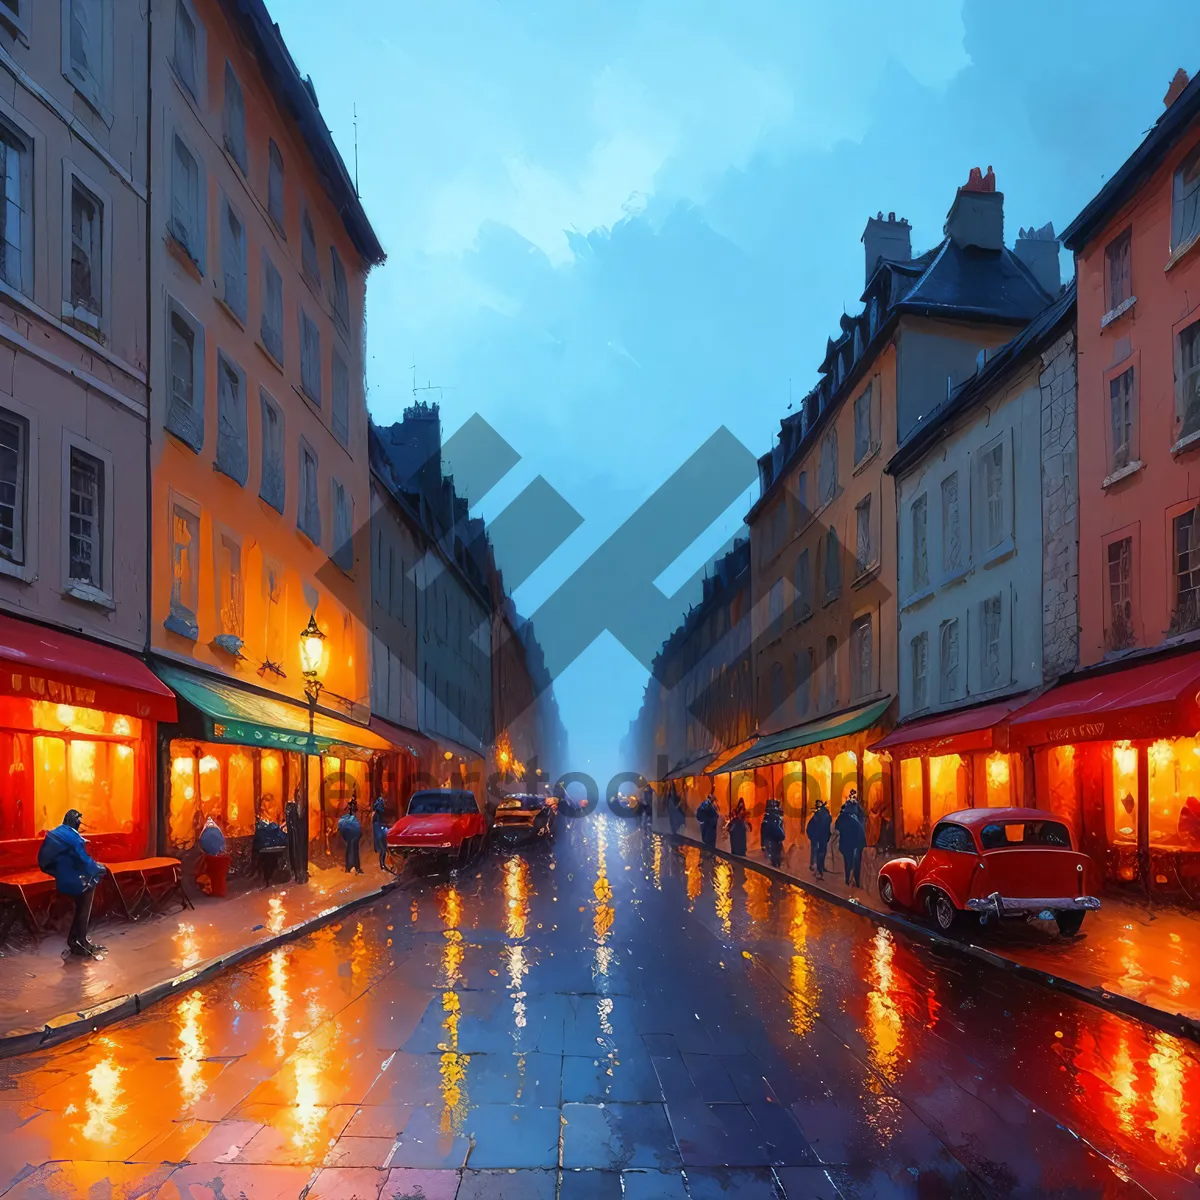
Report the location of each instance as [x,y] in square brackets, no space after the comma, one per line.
[777,747]
[695,767]
[233,714]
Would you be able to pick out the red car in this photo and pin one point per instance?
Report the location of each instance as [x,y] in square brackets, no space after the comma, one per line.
[995,862]
[439,822]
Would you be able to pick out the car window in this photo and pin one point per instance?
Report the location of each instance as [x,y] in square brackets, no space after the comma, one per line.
[1001,834]
[424,803]
[953,837]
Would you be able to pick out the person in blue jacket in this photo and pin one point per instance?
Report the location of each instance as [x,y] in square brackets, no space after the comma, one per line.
[852,837]
[64,855]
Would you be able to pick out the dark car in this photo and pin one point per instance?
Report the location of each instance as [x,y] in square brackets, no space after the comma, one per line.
[525,818]
[439,822]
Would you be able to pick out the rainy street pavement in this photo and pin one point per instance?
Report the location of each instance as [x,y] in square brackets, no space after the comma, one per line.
[617,1016]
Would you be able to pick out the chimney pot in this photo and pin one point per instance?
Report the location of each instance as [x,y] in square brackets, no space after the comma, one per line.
[1038,250]
[976,217]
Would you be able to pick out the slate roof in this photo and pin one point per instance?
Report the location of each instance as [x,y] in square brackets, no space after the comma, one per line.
[1043,329]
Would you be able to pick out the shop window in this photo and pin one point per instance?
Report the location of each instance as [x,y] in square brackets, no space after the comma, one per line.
[1174,783]
[873,802]
[818,778]
[949,785]
[98,778]
[1124,784]
[914,829]
[1187,413]
[920,543]
[998,775]
[845,778]
[1120,634]
[209,780]
[1063,786]
[1185,201]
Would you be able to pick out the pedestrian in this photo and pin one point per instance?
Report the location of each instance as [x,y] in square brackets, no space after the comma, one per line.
[351,831]
[296,839]
[676,812]
[379,828]
[268,847]
[852,837]
[819,827]
[708,816]
[63,854]
[771,834]
[736,826]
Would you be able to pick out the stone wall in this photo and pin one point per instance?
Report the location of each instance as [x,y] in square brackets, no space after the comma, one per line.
[1060,509]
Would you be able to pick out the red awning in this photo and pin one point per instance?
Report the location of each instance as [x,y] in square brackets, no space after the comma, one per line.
[1150,700]
[982,728]
[37,663]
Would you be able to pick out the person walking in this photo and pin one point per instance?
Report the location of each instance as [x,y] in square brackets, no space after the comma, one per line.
[64,855]
[708,817]
[350,828]
[379,828]
[675,811]
[771,833]
[852,837]
[736,826]
[820,826]
[296,839]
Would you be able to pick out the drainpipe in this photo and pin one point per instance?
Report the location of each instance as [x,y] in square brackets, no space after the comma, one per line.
[157,760]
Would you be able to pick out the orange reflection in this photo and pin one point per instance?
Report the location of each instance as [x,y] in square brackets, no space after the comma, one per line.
[104,1105]
[722,887]
[516,894]
[309,1068]
[452,1068]
[188,948]
[656,863]
[450,907]
[885,1034]
[191,1047]
[602,912]
[1167,1066]
[758,896]
[695,878]
[803,994]
[276,917]
[281,1001]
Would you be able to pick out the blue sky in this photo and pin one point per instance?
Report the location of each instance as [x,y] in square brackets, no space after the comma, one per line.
[614,226]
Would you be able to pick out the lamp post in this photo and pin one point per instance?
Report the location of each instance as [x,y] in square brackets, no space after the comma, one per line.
[312,656]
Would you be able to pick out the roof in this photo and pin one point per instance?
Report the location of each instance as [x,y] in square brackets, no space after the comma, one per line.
[986,816]
[1136,169]
[981,385]
[297,97]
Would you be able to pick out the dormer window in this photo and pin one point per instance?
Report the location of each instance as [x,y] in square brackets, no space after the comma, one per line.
[873,317]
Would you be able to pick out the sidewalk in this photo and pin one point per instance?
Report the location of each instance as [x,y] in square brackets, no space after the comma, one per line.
[1132,958]
[45,998]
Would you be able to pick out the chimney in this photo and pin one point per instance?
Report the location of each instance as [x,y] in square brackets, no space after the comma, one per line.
[890,239]
[1178,83]
[976,217]
[414,448]
[1038,250]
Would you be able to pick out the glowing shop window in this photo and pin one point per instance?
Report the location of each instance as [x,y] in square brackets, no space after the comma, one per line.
[1124,793]
[912,803]
[271,798]
[239,804]
[49,782]
[818,771]
[98,778]
[845,778]
[357,781]
[998,771]
[1064,789]
[947,785]
[1174,780]
[185,802]
[314,797]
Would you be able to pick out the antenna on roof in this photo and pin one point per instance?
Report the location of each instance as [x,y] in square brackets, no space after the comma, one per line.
[356,150]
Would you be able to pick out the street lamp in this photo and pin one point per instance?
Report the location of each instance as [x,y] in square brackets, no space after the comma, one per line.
[312,657]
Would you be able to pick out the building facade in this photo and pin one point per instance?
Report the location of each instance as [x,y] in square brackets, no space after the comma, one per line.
[77,710]
[259,253]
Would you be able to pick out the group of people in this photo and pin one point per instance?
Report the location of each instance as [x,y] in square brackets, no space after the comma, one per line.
[851,829]
[350,830]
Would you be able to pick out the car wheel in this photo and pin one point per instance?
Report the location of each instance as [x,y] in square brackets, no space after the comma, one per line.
[942,910]
[1069,921]
[886,892]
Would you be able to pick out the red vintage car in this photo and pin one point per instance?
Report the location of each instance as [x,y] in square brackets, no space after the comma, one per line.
[994,862]
[439,822]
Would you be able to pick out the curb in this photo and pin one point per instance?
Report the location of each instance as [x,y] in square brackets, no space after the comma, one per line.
[1176,1024]
[75,1024]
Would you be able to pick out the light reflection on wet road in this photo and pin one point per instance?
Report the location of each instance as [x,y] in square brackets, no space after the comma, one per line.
[616,1017]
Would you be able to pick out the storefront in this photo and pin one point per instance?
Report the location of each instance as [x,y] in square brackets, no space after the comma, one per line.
[77,730]
[953,761]
[409,766]
[1116,755]
[238,755]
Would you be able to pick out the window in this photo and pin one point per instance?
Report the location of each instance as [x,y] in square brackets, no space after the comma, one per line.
[953,837]
[775,608]
[185,47]
[949,661]
[185,570]
[14,456]
[86,520]
[802,513]
[802,605]
[920,543]
[308,513]
[310,358]
[919,648]
[271,326]
[1120,408]
[833,565]
[275,184]
[862,426]
[827,468]
[340,415]
[276,630]
[84,48]
[341,294]
[187,202]
[232,455]
[1117,271]
[1188,413]
[862,650]
[1187,571]
[1120,594]
[989,650]
[343,528]
[233,262]
[776,687]
[273,486]
[994,498]
[952,549]
[864,551]
[15,13]
[804,678]
[1185,201]
[185,357]
[308,249]
[829,680]
[87,233]
[16,244]
[230,596]
[235,118]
